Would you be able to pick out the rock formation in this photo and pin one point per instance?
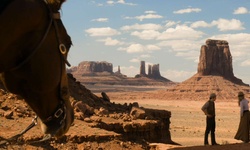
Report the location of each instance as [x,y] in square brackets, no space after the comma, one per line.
[214,74]
[150,71]
[153,72]
[119,70]
[91,73]
[149,124]
[156,71]
[142,68]
[216,59]
[92,67]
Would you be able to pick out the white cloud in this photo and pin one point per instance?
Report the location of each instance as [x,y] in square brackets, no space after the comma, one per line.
[111,42]
[101,20]
[150,12]
[139,48]
[241,10]
[135,48]
[177,75]
[198,24]
[188,10]
[152,47]
[145,56]
[146,34]
[187,49]
[134,60]
[189,54]
[221,24]
[245,63]
[123,2]
[107,31]
[179,45]
[180,32]
[226,25]
[171,23]
[149,26]
[149,15]
[112,2]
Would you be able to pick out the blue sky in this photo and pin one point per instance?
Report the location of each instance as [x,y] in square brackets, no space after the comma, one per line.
[165,32]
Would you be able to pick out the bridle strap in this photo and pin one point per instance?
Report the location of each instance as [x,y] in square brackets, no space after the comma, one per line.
[59,116]
[62,47]
[15,137]
[35,50]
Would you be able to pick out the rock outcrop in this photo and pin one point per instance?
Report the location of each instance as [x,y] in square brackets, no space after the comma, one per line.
[119,70]
[142,68]
[150,71]
[118,73]
[92,73]
[129,121]
[92,67]
[153,72]
[149,124]
[214,74]
[216,59]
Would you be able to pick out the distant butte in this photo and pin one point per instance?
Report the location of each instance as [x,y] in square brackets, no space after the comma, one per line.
[95,72]
[216,59]
[214,74]
[153,72]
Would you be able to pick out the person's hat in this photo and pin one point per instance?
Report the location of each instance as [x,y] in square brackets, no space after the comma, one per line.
[212,95]
[240,94]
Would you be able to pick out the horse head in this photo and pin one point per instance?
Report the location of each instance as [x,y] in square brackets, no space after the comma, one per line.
[34,47]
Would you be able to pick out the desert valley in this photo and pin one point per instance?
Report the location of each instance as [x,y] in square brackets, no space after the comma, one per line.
[148,111]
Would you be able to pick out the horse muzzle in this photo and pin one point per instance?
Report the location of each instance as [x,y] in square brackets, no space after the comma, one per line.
[59,123]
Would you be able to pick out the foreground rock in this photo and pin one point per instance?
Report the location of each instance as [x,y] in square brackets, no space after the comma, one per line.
[130,120]
[97,119]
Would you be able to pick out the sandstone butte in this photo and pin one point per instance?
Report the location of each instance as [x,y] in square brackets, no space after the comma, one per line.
[214,75]
[91,73]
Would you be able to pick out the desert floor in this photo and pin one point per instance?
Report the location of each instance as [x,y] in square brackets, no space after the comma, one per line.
[188,121]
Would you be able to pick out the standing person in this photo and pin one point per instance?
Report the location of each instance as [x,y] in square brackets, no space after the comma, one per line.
[243,129]
[209,109]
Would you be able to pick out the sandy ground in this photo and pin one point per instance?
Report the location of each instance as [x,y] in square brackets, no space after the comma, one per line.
[187,124]
[188,121]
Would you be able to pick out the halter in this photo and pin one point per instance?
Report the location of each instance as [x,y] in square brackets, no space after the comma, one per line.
[57,118]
